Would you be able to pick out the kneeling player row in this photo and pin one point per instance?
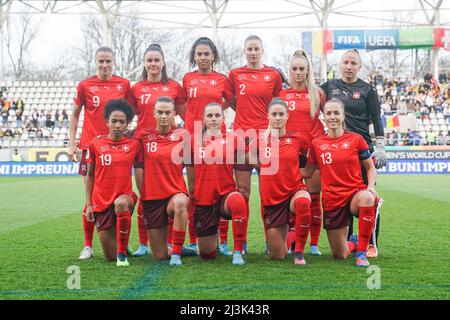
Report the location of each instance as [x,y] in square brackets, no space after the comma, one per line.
[213,191]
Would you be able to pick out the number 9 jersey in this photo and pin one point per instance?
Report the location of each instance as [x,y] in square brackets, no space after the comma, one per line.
[338,160]
[93,94]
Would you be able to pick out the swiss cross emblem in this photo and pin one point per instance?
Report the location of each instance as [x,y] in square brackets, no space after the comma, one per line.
[345,145]
[213,82]
[356,95]
[165,89]
[266,77]
[119,87]
[288,141]
[126,148]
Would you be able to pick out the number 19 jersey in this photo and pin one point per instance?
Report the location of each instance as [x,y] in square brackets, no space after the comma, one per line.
[113,168]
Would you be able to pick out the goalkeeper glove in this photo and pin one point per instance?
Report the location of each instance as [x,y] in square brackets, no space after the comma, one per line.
[379,155]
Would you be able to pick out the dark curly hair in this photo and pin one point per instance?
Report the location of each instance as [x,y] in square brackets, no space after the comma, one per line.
[118,105]
[208,42]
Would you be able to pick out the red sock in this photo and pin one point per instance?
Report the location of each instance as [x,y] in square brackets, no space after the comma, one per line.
[247,206]
[302,222]
[223,230]
[177,240]
[351,246]
[191,224]
[365,226]
[316,219]
[170,230]
[123,226]
[142,229]
[88,230]
[236,203]
[291,231]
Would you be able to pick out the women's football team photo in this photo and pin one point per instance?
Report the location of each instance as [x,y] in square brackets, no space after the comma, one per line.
[309,145]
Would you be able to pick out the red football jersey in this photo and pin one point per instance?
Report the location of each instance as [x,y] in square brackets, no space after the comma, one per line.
[144,95]
[213,167]
[280,174]
[200,90]
[338,160]
[254,89]
[299,114]
[113,169]
[93,94]
[163,177]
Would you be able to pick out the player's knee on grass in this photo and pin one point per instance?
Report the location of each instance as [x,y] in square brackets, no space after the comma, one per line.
[208,256]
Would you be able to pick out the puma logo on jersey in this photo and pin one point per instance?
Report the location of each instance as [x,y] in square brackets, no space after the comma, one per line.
[335,145]
[254,76]
[345,92]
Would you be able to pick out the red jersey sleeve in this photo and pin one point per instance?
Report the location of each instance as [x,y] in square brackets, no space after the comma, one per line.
[228,93]
[80,98]
[139,160]
[312,155]
[278,85]
[91,155]
[181,97]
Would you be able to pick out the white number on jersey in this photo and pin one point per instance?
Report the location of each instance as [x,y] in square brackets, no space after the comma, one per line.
[268,152]
[291,105]
[193,92]
[145,98]
[106,159]
[242,87]
[152,147]
[326,158]
[201,153]
[96,100]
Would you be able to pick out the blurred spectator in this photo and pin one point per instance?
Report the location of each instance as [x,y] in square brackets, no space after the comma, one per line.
[440,139]
[48,120]
[19,122]
[9,133]
[5,115]
[16,156]
[65,119]
[42,119]
[34,118]
[431,137]
[39,134]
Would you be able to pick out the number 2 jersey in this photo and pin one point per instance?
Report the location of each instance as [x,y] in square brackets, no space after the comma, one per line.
[254,89]
[280,174]
[113,162]
[93,94]
[162,162]
[338,160]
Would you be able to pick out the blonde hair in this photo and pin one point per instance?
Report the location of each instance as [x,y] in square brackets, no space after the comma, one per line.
[314,101]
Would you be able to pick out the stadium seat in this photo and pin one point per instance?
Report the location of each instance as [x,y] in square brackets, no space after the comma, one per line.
[36,144]
[5,144]
[440,115]
[21,143]
[443,127]
[30,84]
[436,127]
[44,84]
[57,83]
[13,144]
[36,84]
[432,115]
[426,122]
[44,143]
[16,84]
[29,143]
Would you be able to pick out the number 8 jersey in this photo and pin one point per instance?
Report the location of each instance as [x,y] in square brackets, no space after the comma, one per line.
[113,162]
[94,93]
[338,160]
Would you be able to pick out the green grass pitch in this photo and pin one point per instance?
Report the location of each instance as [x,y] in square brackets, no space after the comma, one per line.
[41,237]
